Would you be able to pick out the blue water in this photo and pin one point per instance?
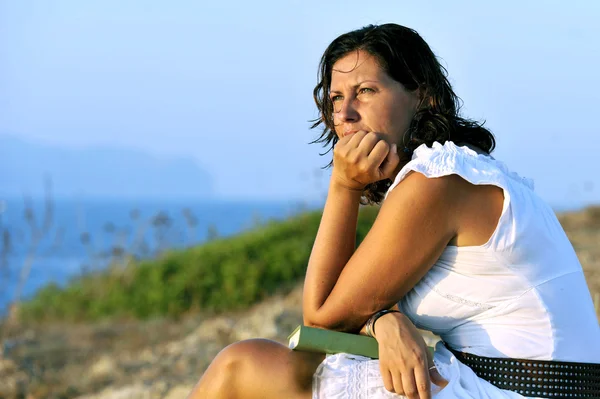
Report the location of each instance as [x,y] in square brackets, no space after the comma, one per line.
[86,235]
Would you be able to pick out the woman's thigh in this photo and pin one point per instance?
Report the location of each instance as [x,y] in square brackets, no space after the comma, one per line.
[259,368]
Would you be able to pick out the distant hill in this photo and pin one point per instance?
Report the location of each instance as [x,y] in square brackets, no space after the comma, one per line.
[97,172]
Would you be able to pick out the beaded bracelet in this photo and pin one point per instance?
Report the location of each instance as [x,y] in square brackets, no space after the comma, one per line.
[370,326]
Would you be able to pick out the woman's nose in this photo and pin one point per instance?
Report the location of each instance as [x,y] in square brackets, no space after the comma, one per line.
[348,111]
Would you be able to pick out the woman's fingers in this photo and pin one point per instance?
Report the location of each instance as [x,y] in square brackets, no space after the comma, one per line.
[422,382]
[392,378]
[434,375]
[409,386]
[356,138]
[360,143]
[386,375]
[414,384]
[381,158]
[391,162]
[398,382]
[364,157]
[402,379]
[355,149]
[437,378]
[366,146]
[405,358]
[378,154]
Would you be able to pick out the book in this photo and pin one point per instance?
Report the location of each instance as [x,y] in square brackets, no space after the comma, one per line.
[313,339]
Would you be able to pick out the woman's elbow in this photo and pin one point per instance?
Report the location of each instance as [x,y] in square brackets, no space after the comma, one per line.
[327,323]
[310,320]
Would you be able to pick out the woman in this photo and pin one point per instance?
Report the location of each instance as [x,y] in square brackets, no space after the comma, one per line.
[461,245]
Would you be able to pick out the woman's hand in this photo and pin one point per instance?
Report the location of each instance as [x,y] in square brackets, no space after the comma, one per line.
[406,365]
[362,158]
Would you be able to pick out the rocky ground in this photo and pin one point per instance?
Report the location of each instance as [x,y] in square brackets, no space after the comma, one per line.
[164,358]
[155,359]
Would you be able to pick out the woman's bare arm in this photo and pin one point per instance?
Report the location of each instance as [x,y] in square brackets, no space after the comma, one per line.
[334,245]
[415,224]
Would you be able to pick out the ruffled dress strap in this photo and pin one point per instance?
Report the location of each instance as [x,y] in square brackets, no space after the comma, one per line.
[448,158]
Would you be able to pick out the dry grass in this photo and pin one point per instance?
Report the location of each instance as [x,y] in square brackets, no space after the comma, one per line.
[583,230]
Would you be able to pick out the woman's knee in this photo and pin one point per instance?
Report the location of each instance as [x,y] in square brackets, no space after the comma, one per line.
[219,380]
[235,359]
[230,369]
[255,367]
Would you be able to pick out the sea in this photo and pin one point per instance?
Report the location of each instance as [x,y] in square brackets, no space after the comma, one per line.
[55,241]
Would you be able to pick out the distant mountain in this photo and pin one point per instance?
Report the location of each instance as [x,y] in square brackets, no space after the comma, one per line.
[97,172]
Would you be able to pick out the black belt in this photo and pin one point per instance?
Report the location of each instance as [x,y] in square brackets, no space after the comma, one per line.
[536,378]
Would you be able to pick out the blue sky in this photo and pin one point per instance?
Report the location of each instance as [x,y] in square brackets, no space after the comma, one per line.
[229,83]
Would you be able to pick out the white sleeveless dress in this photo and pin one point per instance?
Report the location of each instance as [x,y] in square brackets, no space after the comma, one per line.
[521,295]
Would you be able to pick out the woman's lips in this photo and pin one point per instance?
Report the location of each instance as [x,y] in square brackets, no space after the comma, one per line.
[349,132]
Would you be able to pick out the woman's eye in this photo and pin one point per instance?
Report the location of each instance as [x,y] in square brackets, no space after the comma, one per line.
[336,98]
[366,90]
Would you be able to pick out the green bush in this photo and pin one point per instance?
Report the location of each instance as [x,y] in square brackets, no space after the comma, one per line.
[221,275]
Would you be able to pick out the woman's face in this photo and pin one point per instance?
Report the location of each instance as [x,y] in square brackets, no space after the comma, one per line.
[366,98]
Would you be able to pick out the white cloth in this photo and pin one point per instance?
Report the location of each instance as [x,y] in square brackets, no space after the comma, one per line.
[522,294]
[345,376]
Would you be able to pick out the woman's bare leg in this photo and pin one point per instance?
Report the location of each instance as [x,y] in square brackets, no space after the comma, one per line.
[258,368]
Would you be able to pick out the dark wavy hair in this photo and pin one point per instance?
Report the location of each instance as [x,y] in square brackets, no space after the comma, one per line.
[407,58]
